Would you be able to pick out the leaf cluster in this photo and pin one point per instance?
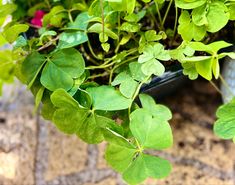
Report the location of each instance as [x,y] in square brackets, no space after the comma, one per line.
[87,63]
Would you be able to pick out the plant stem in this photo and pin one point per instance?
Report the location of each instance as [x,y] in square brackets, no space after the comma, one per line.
[70,16]
[226,85]
[159,15]
[166,14]
[215,86]
[138,145]
[175,25]
[98,75]
[92,51]
[48,44]
[101,66]
[102,11]
[137,92]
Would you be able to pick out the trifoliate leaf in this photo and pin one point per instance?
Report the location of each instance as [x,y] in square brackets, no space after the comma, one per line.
[71,118]
[189,69]
[188,30]
[145,166]
[150,131]
[63,66]
[128,85]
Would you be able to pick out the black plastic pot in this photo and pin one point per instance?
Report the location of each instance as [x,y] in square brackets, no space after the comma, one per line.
[166,84]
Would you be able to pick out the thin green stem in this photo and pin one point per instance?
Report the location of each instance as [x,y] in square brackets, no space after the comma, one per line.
[98,75]
[137,92]
[215,86]
[102,11]
[226,85]
[92,51]
[175,25]
[159,15]
[101,66]
[167,11]
[140,149]
[155,20]
[70,16]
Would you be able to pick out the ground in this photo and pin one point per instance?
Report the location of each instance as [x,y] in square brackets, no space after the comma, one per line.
[34,152]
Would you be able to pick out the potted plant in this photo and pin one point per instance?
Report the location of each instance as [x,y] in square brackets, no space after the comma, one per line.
[87,61]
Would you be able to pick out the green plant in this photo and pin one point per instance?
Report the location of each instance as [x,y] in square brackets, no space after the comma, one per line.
[86,61]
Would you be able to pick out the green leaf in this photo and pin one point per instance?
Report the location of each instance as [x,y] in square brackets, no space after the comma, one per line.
[146,166]
[107,98]
[136,72]
[70,118]
[204,68]
[150,131]
[130,27]
[151,53]
[231,10]
[116,139]
[151,36]
[11,33]
[63,66]
[80,23]
[98,28]
[55,16]
[188,30]
[189,4]
[71,39]
[135,17]
[158,111]
[7,9]
[119,157]
[153,67]
[211,48]
[32,66]
[190,70]
[38,98]
[217,16]
[128,85]
[224,126]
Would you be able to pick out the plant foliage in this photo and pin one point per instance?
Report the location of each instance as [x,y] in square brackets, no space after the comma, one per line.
[85,62]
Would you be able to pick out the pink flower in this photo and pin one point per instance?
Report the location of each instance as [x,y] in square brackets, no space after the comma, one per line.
[37,20]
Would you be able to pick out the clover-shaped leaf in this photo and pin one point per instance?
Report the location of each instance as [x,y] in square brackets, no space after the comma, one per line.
[149,125]
[71,118]
[151,55]
[63,66]
[146,166]
[188,30]
[150,130]
[224,126]
[127,86]
[59,69]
